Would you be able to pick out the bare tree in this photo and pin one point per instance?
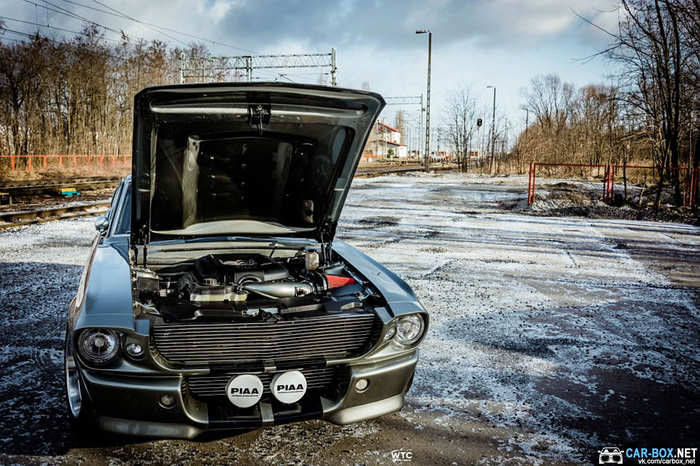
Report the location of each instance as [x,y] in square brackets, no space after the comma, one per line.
[460,119]
[649,46]
[550,100]
[74,95]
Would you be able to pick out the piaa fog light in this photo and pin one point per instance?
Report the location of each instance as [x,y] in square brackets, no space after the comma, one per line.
[409,329]
[288,387]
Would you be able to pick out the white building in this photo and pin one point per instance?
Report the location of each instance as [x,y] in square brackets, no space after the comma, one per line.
[384,143]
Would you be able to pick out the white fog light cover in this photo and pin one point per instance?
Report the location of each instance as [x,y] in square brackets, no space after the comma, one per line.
[409,329]
[244,390]
[98,346]
[288,387]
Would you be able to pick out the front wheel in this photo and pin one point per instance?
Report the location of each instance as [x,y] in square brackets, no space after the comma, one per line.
[79,406]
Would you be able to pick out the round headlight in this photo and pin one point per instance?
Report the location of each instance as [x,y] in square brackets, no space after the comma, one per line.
[409,329]
[98,346]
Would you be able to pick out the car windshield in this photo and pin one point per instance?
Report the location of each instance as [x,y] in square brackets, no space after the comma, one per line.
[208,180]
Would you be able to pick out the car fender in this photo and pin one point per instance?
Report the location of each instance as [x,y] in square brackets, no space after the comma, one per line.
[399,297]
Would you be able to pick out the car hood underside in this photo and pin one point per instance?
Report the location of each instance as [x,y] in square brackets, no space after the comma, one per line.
[246,159]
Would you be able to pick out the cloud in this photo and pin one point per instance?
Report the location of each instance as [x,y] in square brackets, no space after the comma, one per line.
[499,42]
[391,24]
[216,10]
[269,26]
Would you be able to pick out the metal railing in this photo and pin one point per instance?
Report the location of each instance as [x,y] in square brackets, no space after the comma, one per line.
[690,192]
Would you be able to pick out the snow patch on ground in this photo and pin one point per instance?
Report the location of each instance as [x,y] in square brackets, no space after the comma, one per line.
[544,331]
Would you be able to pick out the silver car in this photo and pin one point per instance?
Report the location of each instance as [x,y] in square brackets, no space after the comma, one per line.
[215,295]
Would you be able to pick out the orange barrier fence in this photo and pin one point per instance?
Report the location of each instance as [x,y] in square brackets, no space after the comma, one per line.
[531,186]
[690,192]
[33,162]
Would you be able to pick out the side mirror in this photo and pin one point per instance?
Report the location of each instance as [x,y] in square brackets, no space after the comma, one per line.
[101,224]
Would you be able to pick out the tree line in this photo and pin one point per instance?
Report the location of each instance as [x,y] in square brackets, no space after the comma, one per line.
[647,114]
[74,95]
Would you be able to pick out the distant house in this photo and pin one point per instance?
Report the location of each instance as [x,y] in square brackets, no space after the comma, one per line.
[384,142]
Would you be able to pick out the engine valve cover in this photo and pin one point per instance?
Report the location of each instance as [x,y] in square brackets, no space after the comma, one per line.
[238,268]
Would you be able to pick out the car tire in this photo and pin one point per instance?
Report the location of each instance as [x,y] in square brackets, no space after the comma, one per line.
[80,408]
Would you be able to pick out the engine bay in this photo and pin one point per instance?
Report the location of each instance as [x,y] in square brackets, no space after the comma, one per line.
[250,285]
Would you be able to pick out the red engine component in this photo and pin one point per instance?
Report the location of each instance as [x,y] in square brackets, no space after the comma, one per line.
[336,281]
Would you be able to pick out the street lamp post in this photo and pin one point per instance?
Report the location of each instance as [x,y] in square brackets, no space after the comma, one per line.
[527,118]
[426,159]
[493,127]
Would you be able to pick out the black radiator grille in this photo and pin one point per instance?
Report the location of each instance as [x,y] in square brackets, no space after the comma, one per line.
[339,335]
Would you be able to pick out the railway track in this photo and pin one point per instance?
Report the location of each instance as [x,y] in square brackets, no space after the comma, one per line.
[374,171]
[19,188]
[386,170]
[30,217]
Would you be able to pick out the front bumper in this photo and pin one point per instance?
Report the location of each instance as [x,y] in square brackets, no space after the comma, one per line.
[130,405]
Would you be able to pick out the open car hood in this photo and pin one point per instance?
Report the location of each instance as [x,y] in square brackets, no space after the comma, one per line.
[245,159]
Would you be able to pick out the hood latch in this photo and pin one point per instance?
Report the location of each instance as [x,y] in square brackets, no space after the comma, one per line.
[259,115]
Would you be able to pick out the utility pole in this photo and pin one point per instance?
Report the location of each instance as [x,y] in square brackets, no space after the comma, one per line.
[334,68]
[506,138]
[427,107]
[377,140]
[493,129]
[420,130]
[527,118]
[479,122]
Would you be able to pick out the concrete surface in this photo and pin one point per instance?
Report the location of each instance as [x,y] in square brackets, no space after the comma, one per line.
[550,339]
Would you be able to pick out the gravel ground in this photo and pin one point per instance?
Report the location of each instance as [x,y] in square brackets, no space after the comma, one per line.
[576,198]
[550,338]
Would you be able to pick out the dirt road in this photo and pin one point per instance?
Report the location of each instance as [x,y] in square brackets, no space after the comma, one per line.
[550,338]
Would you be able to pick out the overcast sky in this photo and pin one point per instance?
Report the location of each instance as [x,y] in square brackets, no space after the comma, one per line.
[475,42]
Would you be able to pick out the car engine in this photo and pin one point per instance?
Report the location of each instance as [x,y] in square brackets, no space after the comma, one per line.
[248,283]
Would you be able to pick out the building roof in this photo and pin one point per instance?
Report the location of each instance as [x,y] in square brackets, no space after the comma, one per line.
[393,143]
[388,127]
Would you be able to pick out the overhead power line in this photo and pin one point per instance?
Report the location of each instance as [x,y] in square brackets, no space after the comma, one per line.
[49,27]
[119,15]
[218,68]
[140,22]
[62,11]
[70,14]
[116,57]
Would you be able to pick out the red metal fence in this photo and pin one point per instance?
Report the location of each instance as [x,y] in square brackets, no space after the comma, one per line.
[37,162]
[690,192]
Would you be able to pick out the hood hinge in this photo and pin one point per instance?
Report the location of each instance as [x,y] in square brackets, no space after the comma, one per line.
[326,233]
[141,238]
